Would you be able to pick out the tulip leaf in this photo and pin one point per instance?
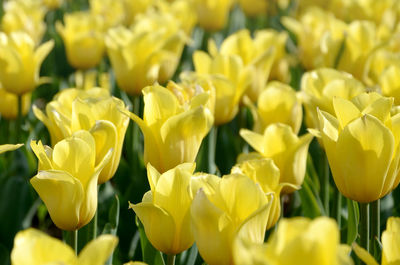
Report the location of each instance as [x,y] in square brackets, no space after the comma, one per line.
[352,221]
[113,221]
[311,204]
[150,255]
[189,256]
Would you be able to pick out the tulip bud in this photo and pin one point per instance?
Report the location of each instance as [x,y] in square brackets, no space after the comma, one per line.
[213,15]
[9,104]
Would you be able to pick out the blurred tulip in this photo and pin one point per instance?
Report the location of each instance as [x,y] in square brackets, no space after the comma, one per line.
[33,247]
[20,62]
[83,35]
[265,173]
[172,132]
[148,53]
[224,208]
[183,11]
[228,76]
[361,144]
[67,179]
[288,151]
[92,110]
[213,15]
[53,4]
[24,16]
[135,7]
[256,58]
[112,12]
[9,104]
[253,8]
[278,102]
[319,87]
[165,210]
[299,241]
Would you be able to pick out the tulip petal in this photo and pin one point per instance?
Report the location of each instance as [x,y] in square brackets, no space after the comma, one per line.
[44,159]
[255,140]
[98,251]
[63,196]
[364,255]
[391,242]
[153,176]
[82,116]
[9,147]
[345,111]
[202,62]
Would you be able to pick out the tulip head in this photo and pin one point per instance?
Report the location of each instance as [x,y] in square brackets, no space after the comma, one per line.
[254,8]
[224,208]
[213,15]
[83,35]
[287,150]
[111,12]
[361,142]
[9,104]
[165,209]
[20,62]
[33,247]
[172,132]
[67,179]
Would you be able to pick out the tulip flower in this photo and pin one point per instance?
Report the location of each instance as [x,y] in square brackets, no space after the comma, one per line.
[147,53]
[33,247]
[265,173]
[9,104]
[228,76]
[319,87]
[172,132]
[67,179]
[53,4]
[24,16]
[112,12]
[297,240]
[257,58]
[83,35]
[390,245]
[213,15]
[134,7]
[389,82]
[278,102]
[74,110]
[20,62]
[224,208]
[361,142]
[254,8]
[288,151]
[164,211]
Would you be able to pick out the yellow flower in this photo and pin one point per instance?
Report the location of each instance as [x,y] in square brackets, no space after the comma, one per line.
[165,210]
[33,247]
[390,245]
[53,4]
[228,76]
[24,16]
[257,58]
[9,104]
[213,15]
[95,110]
[134,7]
[288,151]
[172,132]
[147,53]
[299,241]
[319,87]
[83,35]
[361,144]
[112,11]
[278,102]
[254,8]
[223,209]
[20,62]
[265,173]
[67,179]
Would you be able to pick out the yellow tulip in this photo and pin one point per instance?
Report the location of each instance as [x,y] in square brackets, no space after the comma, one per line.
[258,59]
[53,4]
[224,208]
[112,11]
[361,142]
[20,62]
[172,132]
[265,173]
[254,8]
[319,87]
[9,147]
[228,76]
[74,110]
[83,35]
[165,210]
[288,151]
[213,15]
[9,104]
[24,16]
[67,179]
[278,102]
[135,7]
[389,82]
[298,240]
[33,247]
[390,245]
[147,53]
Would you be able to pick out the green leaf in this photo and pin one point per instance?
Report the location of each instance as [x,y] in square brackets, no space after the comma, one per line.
[149,253]
[352,221]
[310,202]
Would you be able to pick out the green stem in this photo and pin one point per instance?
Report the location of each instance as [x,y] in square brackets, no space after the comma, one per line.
[325,185]
[71,238]
[338,208]
[364,226]
[19,119]
[170,259]
[375,226]
[212,144]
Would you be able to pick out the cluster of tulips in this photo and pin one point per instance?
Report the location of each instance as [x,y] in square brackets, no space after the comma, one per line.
[203,81]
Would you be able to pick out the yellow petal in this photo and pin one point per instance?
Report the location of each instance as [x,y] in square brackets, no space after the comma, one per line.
[44,159]
[364,255]
[202,62]
[345,111]
[9,147]
[391,242]
[255,140]
[98,251]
